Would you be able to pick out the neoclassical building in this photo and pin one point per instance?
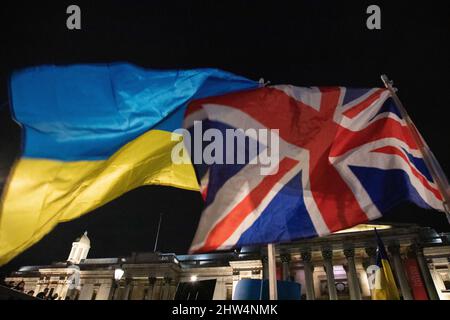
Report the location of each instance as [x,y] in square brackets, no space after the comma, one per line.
[334,267]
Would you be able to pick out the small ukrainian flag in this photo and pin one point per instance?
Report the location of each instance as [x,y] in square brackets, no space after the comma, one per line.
[92,133]
[385,287]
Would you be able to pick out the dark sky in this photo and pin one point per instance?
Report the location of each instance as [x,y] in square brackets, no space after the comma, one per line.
[309,43]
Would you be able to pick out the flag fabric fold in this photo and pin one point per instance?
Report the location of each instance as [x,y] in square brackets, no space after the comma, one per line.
[345,156]
[92,133]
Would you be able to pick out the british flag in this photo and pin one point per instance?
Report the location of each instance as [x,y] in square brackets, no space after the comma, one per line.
[346,156]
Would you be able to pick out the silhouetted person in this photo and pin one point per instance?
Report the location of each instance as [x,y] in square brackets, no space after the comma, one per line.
[42,294]
[54,297]
[31,292]
[20,286]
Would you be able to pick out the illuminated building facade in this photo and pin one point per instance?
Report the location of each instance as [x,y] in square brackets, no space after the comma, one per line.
[335,267]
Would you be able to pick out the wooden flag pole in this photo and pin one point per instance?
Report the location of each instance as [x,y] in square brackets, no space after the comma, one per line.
[430,161]
[273,293]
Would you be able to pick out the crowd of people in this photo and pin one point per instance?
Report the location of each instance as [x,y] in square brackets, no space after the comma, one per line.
[46,294]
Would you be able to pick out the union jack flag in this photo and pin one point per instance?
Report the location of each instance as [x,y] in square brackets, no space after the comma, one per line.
[346,156]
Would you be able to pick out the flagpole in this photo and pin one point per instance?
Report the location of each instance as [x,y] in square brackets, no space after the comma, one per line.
[273,293]
[157,232]
[429,159]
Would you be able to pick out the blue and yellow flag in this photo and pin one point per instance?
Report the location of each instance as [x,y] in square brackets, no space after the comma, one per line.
[385,286]
[92,133]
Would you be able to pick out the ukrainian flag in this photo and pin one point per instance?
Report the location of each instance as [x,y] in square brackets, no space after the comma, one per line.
[92,133]
[385,287]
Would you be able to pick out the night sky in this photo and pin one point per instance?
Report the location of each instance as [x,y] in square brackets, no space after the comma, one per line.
[309,43]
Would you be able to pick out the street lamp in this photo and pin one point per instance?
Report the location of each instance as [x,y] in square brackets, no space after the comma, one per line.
[118,274]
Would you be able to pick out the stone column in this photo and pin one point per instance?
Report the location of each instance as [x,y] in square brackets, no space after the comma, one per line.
[104,292]
[220,291]
[174,287]
[128,289]
[151,287]
[425,271]
[167,282]
[372,253]
[285,259]
[327,255]
[352,276]
[160,286]
[372,261]
[308,269]
[114,290]
[86,291]
[73,293]
[400,272]
[59,289]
